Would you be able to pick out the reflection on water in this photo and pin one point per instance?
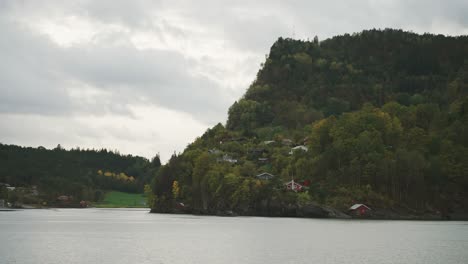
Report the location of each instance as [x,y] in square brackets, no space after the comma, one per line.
[135,236]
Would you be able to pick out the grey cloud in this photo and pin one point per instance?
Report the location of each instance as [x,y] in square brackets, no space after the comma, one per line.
[254,25]
[421,11]
[337,17]
[28,81]
[136,13]
[36,72]
[162,76]
[133,13]
[264,23]
[255,34]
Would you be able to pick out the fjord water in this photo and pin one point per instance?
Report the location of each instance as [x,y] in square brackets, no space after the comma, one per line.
[135,236]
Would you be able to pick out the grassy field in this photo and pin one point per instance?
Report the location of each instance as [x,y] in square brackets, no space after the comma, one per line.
[116,199]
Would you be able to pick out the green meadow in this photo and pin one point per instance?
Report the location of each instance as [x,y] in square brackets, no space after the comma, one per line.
[115,199]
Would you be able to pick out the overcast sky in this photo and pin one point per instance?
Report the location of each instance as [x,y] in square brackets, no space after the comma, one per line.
[148,77]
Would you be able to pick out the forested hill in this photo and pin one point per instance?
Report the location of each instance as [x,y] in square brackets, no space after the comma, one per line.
[83,174]
[377,117]
[302,82]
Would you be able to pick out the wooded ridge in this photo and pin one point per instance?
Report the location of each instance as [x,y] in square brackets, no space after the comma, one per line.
[377,117]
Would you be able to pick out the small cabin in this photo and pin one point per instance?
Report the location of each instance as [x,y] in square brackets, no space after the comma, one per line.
[83,204]
[257,151]
[293,186]
[287,142]
[34,191]
[227,158]
[180,205]
[265,176]
[301,148]
[214,151]
[64,198]
[359,210]
[268,142]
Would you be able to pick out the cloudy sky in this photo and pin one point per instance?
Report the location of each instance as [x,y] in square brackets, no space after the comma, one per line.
[147,77]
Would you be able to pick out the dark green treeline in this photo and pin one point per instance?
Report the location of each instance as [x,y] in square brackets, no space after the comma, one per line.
[83,174]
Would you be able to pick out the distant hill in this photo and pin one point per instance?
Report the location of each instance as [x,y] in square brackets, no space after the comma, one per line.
[83,174]
[302,82]
[380,118]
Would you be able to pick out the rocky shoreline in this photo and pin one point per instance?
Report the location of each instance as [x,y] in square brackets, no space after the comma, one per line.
[313,210]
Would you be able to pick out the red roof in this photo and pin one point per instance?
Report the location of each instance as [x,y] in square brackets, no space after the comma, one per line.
[293,186]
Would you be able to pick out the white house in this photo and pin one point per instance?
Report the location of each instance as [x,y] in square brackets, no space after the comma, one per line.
[214,151]
[287,142]
[265,176]
[301,147]
[227,158]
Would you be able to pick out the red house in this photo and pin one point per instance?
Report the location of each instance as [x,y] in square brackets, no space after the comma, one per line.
[64,198]
[359,210]
[306,183]
[83,204]
[293,186]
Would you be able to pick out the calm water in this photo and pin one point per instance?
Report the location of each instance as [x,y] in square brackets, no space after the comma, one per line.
[135,236]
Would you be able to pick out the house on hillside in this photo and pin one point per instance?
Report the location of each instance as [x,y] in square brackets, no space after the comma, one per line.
[33,191]
[265,176]
[239,139]
[359,210]
[298,148]
[257,151]
[64,199]
[83,204]
[227,158]
[287,142]
[268,142]
[214,151]
[293,186]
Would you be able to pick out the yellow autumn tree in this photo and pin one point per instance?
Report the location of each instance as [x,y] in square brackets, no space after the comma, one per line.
[175,189]
[122,176]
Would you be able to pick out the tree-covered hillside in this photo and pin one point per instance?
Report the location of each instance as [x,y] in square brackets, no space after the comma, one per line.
[378,117]
[83,174]
[302,82]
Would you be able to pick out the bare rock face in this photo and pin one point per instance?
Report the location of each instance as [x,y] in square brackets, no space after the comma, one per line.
[334,213]
[313,210]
